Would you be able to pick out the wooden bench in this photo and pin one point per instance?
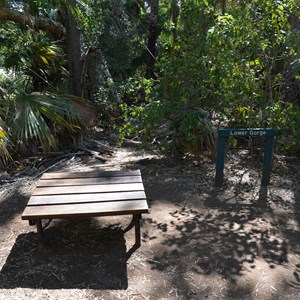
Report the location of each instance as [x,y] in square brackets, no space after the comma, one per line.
[67,195]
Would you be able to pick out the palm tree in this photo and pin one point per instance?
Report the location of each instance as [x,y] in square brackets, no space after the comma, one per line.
[63,27]
[33,111]
[29,121]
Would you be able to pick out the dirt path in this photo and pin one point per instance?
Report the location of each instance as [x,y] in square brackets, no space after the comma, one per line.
[198,242]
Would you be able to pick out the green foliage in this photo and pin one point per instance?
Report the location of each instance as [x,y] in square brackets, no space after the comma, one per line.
[170,125]
[235,59]
[285,117]
[182,89]
[140,111]
[32,56]
[250,65]
[240,61]
[34,110]
[34,119]
[115,32]
[113,27]
[5,142]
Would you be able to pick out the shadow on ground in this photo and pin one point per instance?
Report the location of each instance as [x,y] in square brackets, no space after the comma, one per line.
[13,201]
[78,255]
[294,242]
[224,239]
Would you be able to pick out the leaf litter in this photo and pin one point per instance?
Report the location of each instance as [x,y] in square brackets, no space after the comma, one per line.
[198,242]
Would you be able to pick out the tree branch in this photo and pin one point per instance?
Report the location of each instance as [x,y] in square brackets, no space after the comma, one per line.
[46,25]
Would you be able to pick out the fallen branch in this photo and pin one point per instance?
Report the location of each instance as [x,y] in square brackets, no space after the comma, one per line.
[96,154]
[47,169]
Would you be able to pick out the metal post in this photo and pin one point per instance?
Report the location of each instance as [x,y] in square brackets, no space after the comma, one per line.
[137,219]
[220,161]
[40,232]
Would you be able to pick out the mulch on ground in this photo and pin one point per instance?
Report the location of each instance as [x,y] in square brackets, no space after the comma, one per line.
[238,241]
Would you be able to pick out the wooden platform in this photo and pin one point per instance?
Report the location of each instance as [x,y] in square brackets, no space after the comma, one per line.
[87,194]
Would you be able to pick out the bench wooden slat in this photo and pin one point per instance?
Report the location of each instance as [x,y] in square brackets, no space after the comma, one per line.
[85,198]
[59,175]
[86,210]
[63,190]
[89,181]
[87,194]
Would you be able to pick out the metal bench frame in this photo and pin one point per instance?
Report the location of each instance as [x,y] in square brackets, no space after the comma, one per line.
[72,195]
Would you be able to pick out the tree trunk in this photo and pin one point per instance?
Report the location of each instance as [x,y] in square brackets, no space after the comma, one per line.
[152,39]
[75,64]
[223,6]
[175,9]
[46,25]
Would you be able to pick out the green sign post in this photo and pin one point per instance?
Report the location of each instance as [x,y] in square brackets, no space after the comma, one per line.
[223,134]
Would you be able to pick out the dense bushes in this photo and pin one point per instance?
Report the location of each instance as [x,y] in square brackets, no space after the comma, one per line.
[241,65]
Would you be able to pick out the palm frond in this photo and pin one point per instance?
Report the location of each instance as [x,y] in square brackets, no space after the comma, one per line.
[5,145]
[58,109]
[38,115]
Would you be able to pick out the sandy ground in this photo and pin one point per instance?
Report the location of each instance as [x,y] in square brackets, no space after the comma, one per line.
[239,241]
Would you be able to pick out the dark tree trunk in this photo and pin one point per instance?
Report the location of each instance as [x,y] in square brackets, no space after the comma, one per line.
[175,15]
[151,54]
[47,25]
[70,32]
[223,6]
[74,54]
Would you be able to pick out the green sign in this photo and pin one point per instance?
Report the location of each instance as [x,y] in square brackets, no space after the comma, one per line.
[223,134]
[246,132]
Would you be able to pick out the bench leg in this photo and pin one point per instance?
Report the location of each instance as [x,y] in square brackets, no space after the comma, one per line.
[137,224]
[32,222]
[40,232]
[132,223]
